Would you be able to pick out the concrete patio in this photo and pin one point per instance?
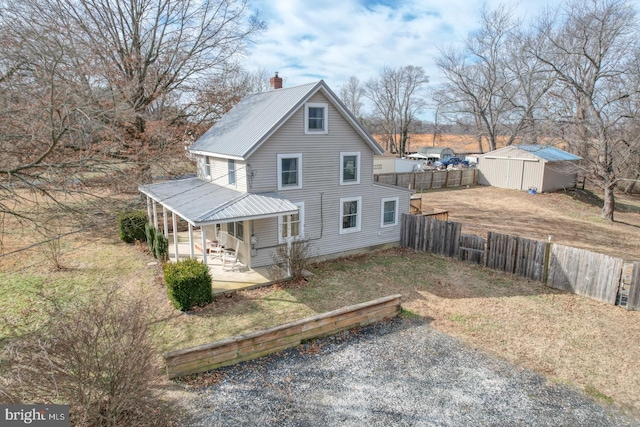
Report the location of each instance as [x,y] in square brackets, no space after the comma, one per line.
[229,278]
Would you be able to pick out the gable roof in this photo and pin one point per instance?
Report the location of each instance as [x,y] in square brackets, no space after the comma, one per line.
[544,152]
[257,116]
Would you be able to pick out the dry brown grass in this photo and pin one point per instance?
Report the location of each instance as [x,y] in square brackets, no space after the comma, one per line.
[563,216]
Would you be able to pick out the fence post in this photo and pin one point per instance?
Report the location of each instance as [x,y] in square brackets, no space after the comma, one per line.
[547,259]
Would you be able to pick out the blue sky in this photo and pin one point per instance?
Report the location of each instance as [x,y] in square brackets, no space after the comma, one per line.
[334,39]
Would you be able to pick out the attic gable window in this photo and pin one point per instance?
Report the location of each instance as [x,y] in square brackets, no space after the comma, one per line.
[315,118]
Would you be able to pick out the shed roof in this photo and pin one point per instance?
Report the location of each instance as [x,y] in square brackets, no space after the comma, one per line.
[548,153]
[250,123]
[544,152]
[202,202]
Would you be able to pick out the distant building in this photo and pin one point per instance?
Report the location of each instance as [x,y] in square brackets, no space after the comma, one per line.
[436,153]
[524,167]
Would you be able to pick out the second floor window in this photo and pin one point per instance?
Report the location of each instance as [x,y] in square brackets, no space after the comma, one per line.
[289,171]
[350,168]
[207,168]
[232,171]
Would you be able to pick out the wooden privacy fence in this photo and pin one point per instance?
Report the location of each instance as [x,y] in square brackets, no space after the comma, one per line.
[427,234]
[586,273]
[427,180]
[633,298]
[516,255]
[260,343]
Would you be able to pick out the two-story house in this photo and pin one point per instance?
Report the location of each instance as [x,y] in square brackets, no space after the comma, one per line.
[283,164]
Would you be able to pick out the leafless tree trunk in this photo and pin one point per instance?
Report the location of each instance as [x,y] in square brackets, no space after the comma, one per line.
[397,96]
[592,49]
[351,94]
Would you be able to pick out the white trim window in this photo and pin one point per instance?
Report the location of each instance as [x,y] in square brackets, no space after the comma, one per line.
[349,168]
[291,227]
[231,168]
[236,229]
[289,171]
[316,118]
[207,167]
[389,211]
[350,214]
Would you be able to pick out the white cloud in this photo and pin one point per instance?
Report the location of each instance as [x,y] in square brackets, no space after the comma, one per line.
[334,39]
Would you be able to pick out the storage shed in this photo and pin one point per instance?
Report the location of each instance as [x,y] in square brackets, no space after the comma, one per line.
[524,167]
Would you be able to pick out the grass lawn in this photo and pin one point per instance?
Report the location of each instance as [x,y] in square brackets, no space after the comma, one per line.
[569,339]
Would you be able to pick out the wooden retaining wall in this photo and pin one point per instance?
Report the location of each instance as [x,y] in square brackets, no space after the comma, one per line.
[428,180]
[260,343]
[516,255]
[585,273]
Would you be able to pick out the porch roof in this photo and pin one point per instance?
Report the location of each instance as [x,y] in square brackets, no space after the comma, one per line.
[202,202]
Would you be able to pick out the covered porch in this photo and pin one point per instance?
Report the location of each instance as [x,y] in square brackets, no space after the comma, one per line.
[224,278]
[206,208]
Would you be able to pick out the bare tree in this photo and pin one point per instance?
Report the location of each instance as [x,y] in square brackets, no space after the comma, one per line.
[397,96]
[490,80]
[351,93]
[592,49]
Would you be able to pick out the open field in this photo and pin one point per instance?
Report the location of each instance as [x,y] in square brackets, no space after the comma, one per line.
[569,339]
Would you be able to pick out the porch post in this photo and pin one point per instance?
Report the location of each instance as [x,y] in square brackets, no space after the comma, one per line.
[149,215]
[166,223]
[175,232]
[155,215]
[191,251]
[204,245]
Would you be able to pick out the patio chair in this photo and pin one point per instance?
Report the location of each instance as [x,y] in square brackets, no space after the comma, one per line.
[231,257]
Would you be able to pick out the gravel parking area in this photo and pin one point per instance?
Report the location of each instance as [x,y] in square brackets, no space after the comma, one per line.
[400,372]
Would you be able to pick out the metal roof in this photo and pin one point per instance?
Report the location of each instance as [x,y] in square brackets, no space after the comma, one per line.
[548,153]
[250,122]
[202,202]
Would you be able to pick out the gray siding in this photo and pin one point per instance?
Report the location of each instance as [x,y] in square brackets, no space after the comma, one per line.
[321,190]
[559,175]
[220,172]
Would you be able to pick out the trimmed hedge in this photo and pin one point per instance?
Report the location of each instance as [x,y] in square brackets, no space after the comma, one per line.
[188,284]
[131,226]
[161,247]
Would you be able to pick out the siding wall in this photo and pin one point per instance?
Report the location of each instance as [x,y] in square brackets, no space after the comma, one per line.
[220,172]
[514,173]
[559,175]
[321,190]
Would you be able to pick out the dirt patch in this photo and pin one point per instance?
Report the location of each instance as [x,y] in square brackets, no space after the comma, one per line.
[564,216]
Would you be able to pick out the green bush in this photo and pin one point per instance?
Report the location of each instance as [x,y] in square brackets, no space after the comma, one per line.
[188,284]
[161,247]
[131,226]
[150,234]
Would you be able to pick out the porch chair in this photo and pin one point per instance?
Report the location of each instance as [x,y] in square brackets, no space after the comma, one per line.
[217,247]
[231,257]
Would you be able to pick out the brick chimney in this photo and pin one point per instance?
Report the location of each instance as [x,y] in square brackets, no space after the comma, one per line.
[275,82]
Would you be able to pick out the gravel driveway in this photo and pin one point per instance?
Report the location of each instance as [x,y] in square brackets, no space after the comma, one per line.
[395,373]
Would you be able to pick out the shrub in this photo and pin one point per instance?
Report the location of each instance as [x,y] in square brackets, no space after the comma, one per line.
[131,226]
[161,247]
[294,259]
[96,355]
[188,284]
[150,234]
